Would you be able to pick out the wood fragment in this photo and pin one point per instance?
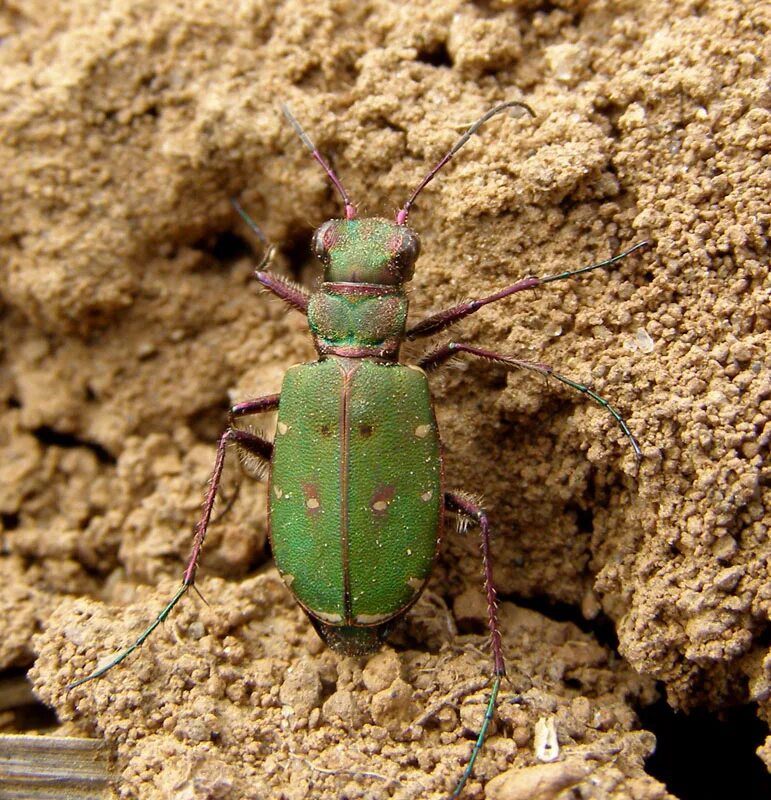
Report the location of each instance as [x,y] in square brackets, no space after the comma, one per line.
[53,768]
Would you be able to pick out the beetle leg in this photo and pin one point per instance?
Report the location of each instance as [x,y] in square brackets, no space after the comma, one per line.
[255,444]
[229,435]
[437,357]
[462,504]
[290,292]
[229,501]
[267,403]
[250,442]
[443,319]
[255,452]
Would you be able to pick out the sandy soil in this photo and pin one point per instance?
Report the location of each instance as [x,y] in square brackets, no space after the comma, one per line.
[130,322]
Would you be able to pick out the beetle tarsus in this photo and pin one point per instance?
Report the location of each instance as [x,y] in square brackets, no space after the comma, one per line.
[99,671]
[480,740]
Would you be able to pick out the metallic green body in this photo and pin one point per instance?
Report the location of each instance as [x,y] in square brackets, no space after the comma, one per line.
[356,490]
[356,485]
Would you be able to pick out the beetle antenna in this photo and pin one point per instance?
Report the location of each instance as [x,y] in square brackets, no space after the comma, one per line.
[401,217]
[350,209]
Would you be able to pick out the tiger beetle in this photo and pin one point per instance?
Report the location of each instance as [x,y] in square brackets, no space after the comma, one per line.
[357,494]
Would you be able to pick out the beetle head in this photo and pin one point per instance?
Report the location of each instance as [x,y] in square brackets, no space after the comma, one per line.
[366,251]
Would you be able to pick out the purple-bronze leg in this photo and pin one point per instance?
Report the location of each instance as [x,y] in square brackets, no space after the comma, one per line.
[292,294]
[461,504]
[261,404]
[442,320]
[255,445]
[249,441]
[438,322]
[436,358]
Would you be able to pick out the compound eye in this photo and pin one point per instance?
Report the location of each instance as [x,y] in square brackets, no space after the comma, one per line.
[324,240]
[410,248]
[406,249]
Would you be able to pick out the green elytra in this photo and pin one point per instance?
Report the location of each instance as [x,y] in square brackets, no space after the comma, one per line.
[357,496]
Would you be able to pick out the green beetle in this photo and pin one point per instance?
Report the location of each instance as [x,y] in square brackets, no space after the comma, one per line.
[356,483]
[356,491]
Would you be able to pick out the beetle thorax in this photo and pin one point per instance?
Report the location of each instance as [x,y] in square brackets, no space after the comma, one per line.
[358,320]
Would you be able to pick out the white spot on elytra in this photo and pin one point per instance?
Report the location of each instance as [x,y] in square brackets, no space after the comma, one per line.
[370,619]
[409,552]
[422,431]
[312,503]
[282,428]
[277,491]
[415,583]
[379,505]
[288,579]
[426,496]
[328,617]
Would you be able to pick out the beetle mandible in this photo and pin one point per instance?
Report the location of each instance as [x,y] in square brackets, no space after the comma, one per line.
[357,498]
